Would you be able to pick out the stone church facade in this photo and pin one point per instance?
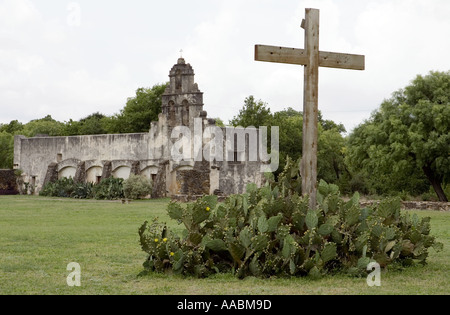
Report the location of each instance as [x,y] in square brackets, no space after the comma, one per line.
[92,158]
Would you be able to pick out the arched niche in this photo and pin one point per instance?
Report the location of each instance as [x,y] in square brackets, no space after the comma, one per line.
[122,172]
[67,172]
[94,174]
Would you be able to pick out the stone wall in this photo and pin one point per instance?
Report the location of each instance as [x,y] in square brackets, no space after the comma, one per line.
[415,205]
[8,184]
[193,183]
[35,155]
[234,177]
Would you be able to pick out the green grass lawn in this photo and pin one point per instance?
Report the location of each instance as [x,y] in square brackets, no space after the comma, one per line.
[39,237]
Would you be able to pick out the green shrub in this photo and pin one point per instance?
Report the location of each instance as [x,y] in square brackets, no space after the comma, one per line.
[108,189]
[67,188]
[111,188]
[271,231]
[137,187]
[82,191]
[63,188]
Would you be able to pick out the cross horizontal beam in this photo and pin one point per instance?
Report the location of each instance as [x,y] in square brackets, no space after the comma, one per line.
[299,57]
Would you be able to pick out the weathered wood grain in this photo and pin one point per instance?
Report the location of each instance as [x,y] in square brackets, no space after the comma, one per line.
[298,57]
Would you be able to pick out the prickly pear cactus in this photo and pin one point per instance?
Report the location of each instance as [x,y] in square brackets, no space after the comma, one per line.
[271,231]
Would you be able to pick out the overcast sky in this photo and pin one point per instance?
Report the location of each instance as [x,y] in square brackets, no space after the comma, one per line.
[70,59]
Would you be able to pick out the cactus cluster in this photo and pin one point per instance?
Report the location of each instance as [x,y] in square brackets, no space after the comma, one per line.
[271,231]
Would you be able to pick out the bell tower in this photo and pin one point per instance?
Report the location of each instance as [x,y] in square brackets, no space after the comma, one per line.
[182,101]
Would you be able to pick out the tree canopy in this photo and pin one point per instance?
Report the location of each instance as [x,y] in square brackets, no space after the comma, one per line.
[44,126]
[290,122]
[6,150]
[139,111]
[90,125]
[11,128]
[254,113]
[405,145]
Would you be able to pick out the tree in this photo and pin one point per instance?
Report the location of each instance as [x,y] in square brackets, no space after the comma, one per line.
[139,111]
[407,140]
[12,128]
[253,113]
[7,132]
[330,154]
[330,147]
[46,125]
[329,124]
[6,150]
[290,122]
[90,125]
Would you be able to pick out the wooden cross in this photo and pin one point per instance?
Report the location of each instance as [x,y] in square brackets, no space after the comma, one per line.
[312,59]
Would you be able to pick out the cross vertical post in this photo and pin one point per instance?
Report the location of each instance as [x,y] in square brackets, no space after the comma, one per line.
[308,168]
[312,59]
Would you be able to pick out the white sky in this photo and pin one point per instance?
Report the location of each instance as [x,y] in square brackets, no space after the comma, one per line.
[73,58]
